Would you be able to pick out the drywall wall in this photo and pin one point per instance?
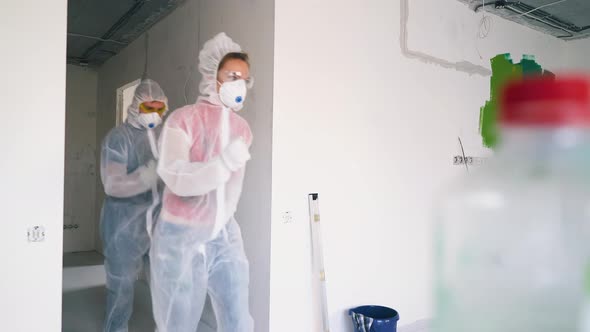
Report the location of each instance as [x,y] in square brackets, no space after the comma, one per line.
[172,61]
[578,53]
[373,130]
[32,89]
[80,161]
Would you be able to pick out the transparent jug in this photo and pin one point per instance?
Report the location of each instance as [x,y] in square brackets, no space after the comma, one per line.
[512,239]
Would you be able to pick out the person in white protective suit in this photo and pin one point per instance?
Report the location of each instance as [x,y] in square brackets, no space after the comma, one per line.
[128,173]
[197,246]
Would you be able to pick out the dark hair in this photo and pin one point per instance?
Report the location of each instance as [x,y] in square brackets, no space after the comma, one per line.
[234,56]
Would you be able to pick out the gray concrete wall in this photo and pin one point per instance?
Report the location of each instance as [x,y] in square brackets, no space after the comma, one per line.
[80,161]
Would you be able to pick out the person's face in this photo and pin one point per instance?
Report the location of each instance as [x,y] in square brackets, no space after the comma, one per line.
[233,70]
[152,107]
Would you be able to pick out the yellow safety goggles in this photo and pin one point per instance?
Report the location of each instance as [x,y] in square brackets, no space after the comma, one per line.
[149,109]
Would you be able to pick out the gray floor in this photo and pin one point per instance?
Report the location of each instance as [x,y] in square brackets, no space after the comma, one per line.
[84,298]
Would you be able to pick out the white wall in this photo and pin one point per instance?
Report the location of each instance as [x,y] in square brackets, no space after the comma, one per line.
[80,163]
[174,44]
[32,90]
[374,133]
[579,54]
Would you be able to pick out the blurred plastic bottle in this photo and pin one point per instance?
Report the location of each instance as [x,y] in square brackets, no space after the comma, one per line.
[513,239]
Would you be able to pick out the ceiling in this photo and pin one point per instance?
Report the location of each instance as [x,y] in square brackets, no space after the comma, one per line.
[565,19]
[99,29]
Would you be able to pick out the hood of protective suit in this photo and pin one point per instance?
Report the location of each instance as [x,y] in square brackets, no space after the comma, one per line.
[209,59]
[147,90]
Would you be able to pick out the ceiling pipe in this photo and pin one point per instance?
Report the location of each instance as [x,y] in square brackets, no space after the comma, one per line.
[114,28]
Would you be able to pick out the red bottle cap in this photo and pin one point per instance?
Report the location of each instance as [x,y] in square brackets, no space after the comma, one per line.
[546,102]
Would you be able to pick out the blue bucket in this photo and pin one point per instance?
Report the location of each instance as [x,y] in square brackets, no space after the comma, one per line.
[372,318]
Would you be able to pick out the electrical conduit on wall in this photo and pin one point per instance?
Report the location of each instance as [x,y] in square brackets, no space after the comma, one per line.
[461,66]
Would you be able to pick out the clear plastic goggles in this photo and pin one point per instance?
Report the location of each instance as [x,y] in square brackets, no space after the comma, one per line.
[232,76]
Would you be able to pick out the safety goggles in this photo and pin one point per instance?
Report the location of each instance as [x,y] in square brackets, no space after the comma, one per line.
[231,76]
[149,109]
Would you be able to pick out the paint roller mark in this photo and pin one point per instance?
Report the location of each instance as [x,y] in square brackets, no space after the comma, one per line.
[503,70]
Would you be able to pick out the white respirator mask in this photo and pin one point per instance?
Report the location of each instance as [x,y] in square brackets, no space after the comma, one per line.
[149,120]
[233,94]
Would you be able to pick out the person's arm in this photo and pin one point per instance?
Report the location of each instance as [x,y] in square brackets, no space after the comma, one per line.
[113,170]
[183,177]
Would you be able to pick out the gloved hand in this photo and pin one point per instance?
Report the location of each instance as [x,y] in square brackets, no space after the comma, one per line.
[236,154]
[148,173]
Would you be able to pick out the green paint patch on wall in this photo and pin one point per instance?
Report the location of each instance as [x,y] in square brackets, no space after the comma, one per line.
[503,71]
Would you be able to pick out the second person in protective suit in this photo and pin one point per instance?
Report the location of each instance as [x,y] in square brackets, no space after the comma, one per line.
[128,173]
[197,245]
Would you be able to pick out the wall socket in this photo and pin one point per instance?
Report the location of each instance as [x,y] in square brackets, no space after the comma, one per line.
[36,234]
[288,217]
[467,160]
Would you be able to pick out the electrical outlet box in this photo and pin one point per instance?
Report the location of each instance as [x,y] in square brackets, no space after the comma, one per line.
[288,217]
[36,234]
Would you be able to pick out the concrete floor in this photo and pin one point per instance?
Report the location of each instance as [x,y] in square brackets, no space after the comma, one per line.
[84,299]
